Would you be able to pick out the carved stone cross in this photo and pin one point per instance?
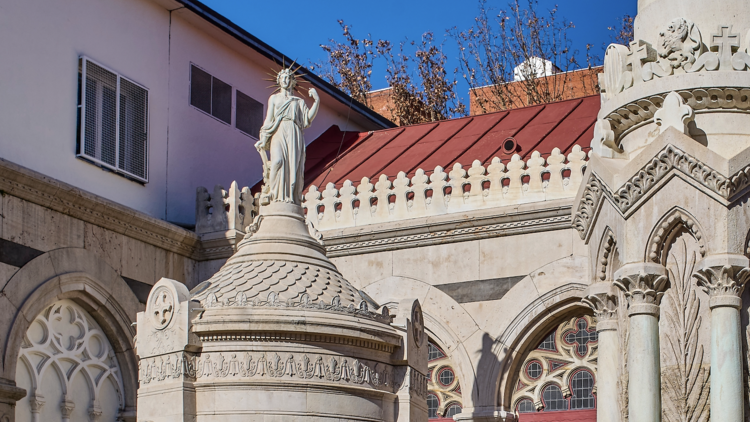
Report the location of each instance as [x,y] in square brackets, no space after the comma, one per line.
[581,337]
[640,53]
[726,43]
[163,308]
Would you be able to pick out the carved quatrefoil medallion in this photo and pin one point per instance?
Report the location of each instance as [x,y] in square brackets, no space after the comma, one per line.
[162,307]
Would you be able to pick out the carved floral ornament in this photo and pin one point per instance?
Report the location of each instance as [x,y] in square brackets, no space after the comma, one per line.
[724,284]
[670,158]
[680,49]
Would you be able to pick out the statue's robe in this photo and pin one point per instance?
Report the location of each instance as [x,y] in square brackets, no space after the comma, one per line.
[287,147]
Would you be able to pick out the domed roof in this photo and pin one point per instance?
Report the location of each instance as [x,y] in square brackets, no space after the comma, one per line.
[279,263]
[259,281]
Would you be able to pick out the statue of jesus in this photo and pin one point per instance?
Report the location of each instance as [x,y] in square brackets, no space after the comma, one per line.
[281,134]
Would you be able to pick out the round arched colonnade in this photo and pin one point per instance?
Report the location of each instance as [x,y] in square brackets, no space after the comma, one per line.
[488,358]
[81,277]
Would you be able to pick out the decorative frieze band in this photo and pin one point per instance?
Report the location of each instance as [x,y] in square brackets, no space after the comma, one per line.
[670,158]
[296,337]
[287,366]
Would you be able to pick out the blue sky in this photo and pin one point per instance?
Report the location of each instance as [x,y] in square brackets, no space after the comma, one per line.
[297,28]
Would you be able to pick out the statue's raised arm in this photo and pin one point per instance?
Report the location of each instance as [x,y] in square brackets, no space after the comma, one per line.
[282,136]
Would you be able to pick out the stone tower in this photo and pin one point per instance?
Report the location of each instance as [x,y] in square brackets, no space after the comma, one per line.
[664,212]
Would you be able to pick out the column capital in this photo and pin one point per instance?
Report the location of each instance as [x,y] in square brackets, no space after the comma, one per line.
[602,298]
[644,285]
[723,277]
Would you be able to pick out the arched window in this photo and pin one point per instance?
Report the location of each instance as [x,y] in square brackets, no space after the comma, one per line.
[553,399]
[433,352]
[525,406]
[446,377]
[432,406]
[563,360]
[65,350]
[581,385]
[453,409]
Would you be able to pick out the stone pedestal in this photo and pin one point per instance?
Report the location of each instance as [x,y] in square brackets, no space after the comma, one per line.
[644,285]
[602,298]
[278,334]
[724,278]
[9,395]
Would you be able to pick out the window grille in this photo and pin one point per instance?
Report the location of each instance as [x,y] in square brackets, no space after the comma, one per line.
[534,369]
[453,409]
[249,115]
[553,399]
[432,406]
[581,386]
[434,352]
[112,120]
[210,94]
[525,406]
[446,377]
[548,343]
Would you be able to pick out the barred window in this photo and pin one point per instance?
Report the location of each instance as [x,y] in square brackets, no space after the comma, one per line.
[453,409]
[432,406]
[249,115]
[548,343]
[446,377]
[210,94]
[434,352]
[553,399]
[534,369]
[525,406]
[112,120]
[581,386]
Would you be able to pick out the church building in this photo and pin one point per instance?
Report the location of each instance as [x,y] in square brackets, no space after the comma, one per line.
[180,243]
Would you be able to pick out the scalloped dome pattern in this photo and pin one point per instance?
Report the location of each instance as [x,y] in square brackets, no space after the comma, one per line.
[289,280]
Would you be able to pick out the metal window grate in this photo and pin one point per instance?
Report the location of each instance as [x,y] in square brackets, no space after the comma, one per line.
[525,406]
[210,94]
[113,120]
[581,385]
[553,399]
[249,117]
[432,406]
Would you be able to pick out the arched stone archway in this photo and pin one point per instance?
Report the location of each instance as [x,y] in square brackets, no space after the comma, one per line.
[80,276]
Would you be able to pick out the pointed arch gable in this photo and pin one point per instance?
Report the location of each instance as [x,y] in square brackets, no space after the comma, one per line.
[665,227]
[81,276]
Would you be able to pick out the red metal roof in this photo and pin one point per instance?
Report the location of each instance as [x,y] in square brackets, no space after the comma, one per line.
[336,156]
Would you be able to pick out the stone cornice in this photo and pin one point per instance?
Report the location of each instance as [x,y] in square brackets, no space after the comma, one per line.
[669,161]
[450,228]
[50,193]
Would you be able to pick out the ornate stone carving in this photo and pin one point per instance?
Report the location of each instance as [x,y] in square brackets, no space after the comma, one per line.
[588,205]
[724,284]
[223,209]
[162,305]
[417,321]
[602,299]
[679,46]
[685,379]
[605,249]
[67,341]
[241,366]
[643,291]
[670,158]
[674,113]
[668,223]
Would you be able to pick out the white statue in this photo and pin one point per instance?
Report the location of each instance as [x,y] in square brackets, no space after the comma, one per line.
[281,134]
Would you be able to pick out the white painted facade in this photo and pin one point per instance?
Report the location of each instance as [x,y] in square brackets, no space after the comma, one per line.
[152,44]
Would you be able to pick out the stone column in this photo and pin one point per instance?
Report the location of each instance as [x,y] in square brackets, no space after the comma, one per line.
[602,298]
[644,285]
[724,278]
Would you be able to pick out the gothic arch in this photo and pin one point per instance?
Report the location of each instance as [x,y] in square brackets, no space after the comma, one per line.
[528,329]
[665,229]
[82,277]
[445,321]
[605,255]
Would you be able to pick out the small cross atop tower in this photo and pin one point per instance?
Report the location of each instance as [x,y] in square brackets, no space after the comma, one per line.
[725,43]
